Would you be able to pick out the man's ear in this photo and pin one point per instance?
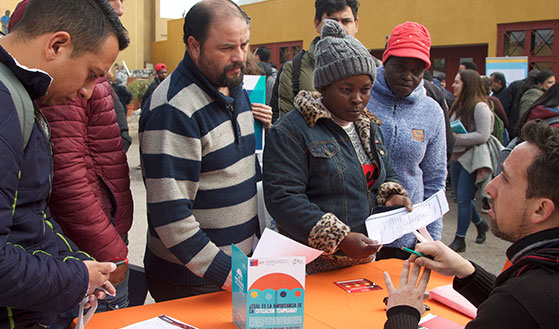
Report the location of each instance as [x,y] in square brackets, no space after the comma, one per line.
[194,48]
[317,25]
[356,24]
[545,209]
[57,43]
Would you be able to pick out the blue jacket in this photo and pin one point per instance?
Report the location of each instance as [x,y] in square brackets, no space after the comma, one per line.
[40,273]
[314,184]
[199,166]
[415,136]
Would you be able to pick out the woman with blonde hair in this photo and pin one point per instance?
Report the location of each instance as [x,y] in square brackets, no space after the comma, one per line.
[473,112]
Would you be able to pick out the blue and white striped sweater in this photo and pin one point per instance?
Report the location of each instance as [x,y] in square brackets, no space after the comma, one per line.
[199,169]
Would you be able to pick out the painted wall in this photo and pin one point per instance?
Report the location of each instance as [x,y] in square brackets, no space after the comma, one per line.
[451,22]
[170,51]
[134,21]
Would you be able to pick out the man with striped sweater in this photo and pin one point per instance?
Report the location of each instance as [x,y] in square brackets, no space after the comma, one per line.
[198,162]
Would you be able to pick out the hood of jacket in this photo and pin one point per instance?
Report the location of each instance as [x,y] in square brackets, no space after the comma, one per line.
[309,105]
[380,88]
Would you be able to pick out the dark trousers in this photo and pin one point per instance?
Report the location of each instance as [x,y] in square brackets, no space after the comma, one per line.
[163,290]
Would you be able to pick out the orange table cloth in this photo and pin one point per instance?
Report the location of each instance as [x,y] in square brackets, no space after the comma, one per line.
[326,304]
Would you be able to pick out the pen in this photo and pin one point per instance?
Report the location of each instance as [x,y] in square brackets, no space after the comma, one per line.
[105,291]
[411,251]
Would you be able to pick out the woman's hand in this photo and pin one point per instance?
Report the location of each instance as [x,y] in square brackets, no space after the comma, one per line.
[357,245]
[396,200]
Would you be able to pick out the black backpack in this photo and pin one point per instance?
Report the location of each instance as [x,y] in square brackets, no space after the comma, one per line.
[274,100]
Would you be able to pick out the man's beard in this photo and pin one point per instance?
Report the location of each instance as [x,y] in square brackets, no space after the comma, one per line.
[518,233]
[220,79]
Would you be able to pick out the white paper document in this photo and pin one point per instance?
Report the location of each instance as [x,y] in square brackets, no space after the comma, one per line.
[388,226]
[160,322]
[273,244]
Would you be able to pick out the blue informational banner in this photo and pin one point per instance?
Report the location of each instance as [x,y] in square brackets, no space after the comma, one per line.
[514,68]
[255,85]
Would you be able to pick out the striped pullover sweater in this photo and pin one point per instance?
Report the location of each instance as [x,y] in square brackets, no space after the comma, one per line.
[200,171]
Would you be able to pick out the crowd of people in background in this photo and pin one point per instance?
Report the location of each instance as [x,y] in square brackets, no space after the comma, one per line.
[347,135]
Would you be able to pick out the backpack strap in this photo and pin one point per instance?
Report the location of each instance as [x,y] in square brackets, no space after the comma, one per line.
[297,71]
[22,102]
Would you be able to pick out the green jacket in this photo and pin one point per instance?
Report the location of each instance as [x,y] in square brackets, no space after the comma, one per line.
[306,79]
[527,99]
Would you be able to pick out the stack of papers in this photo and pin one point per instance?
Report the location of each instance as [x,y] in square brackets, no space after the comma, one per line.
[431,321]
[450,297]
[160,322]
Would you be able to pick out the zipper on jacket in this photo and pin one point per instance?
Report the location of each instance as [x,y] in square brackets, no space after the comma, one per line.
[395,127]
[363,179]
[44,127]
[236,128]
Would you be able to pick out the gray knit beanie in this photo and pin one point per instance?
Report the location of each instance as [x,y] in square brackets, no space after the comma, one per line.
[339,56]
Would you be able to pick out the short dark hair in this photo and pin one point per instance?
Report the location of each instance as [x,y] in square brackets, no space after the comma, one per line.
[469,65]
[500,77]
[542,76]
[330,6]
[89,22]
[198,20]
[264,53]
[486,83]
[427,75]
[542,172]
[439,75]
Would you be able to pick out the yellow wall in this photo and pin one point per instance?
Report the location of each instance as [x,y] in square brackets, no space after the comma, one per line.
[134,21]
[451,22]
[170,51]
[282,20]
[160,24]
[8,5]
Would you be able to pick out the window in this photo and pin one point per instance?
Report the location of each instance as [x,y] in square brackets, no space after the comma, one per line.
[514,43]
[537,40]
[281,52]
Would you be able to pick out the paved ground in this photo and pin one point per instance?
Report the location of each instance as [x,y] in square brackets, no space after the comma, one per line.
[490,255]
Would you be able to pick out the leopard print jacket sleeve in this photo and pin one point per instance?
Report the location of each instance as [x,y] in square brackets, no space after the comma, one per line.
[327,234]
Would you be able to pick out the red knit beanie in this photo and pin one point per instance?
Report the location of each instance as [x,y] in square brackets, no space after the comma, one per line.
[17,14]
[409,39]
